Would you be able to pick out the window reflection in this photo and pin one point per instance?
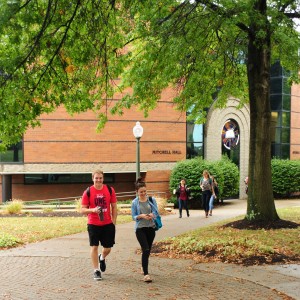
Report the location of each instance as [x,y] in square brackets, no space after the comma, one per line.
[280,100]
[194,138]
[286,117]
[194,149]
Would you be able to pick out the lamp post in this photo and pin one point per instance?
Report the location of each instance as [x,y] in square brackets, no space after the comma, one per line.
[138,132]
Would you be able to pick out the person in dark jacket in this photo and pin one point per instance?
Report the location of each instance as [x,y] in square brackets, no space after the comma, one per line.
[182,193]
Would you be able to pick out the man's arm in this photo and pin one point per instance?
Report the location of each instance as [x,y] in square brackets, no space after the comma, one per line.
[85,210]
[114,212]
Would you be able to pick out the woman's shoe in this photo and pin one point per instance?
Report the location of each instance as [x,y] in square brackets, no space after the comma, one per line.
[147,278]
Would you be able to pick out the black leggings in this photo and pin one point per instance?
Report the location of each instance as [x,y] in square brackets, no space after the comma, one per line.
[145,237]
[205,200]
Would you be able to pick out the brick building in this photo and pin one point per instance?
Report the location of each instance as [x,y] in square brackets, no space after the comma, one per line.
[56,159]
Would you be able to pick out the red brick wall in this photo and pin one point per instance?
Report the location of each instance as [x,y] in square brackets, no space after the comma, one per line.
[62,138]
[295,122]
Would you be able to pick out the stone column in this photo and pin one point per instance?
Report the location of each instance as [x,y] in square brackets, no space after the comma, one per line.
[6,187]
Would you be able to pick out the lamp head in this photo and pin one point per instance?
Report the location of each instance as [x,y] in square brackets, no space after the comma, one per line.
[138,130]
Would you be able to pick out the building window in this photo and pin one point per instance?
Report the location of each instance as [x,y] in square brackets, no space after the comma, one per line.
[63,178]
[280,100]
[194,138]
[230,137]
[13,154]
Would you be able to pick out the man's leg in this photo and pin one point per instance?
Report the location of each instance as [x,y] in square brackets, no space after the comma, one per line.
[94,256]
[107,241]
[105,252]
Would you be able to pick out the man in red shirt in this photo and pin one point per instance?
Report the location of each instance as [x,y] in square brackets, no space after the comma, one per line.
[100,205]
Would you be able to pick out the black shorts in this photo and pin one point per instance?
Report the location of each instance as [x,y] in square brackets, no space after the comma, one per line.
[103,234]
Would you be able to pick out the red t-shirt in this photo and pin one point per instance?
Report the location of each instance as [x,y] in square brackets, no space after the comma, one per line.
[100,198]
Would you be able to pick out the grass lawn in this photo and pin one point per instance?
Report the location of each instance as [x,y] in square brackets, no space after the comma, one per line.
[242,246]
[16,231]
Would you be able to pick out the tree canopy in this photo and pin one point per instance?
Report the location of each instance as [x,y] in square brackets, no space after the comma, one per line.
[73,53]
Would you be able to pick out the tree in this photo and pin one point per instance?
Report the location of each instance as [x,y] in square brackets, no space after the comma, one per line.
[61,53]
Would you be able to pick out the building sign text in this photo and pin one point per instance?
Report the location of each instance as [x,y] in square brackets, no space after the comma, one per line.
[166,152]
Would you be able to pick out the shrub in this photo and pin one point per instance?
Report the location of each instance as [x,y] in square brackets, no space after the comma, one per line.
[8,241]
[224,170]
[14,207]
[285,177]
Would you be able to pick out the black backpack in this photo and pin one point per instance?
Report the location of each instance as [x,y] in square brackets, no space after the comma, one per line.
[88,192]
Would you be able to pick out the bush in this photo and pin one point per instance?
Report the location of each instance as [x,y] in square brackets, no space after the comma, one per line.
[224,170]
[8,241]
[14,207]
[285,177]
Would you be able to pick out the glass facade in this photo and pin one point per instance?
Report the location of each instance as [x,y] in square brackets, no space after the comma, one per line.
[194,138]
[280,100]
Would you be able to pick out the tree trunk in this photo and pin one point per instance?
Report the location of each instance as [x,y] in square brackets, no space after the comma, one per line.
[261,204]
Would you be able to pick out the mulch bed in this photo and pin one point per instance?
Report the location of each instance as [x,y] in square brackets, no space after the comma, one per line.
[162,249]
[267,225]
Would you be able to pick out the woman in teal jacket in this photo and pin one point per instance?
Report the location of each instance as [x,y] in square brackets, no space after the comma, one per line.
[144,210]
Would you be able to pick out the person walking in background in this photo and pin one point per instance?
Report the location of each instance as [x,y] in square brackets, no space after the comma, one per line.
[99,203]
[246,184]
[182,193]
[207,191]
[213,196]
[144,210]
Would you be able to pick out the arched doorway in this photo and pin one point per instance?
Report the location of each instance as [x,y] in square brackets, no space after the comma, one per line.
[213,149]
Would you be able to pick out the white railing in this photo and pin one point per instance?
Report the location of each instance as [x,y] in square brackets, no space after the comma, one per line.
[57,202]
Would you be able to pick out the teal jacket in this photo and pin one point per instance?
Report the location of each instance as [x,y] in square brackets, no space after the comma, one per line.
[135,209]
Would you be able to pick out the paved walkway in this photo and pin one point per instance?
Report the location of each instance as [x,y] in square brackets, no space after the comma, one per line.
[61,269]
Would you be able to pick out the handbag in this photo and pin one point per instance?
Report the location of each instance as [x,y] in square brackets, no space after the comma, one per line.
[157,222]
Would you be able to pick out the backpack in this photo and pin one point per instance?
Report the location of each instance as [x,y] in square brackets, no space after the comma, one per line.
[157,221]
[88,192]
[216,189]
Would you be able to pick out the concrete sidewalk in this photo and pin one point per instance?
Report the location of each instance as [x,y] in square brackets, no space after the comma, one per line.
[61,268]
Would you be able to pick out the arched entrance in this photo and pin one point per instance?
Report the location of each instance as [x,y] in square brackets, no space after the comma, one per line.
[213,149]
